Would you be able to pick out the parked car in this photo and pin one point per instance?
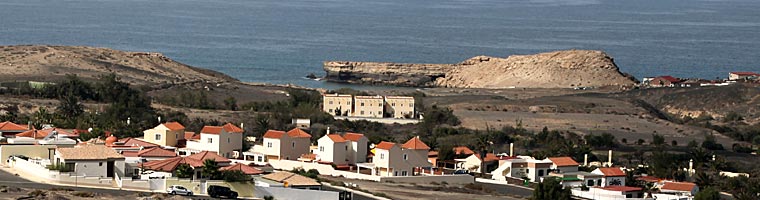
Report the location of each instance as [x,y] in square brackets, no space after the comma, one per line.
[178,189]
[221,191]
[462,171]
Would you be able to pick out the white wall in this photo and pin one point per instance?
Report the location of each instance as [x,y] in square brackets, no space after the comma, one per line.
[294,194]
[230,142]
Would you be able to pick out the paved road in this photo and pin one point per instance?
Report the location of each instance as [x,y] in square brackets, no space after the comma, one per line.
[356,196]
[507,189]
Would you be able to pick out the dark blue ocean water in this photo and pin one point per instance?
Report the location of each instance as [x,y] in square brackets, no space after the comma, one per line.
[280,41]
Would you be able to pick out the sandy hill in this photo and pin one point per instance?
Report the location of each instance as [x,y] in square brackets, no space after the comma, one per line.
[50,63]
[560,69]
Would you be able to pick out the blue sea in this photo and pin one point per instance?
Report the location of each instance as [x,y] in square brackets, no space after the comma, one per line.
[278,41]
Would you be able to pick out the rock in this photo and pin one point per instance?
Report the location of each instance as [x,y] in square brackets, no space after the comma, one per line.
[559,69]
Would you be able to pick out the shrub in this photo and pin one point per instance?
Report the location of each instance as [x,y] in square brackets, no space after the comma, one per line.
[37,193]
[84,194]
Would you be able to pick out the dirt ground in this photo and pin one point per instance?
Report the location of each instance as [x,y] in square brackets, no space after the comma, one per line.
[422,191]
[11,192]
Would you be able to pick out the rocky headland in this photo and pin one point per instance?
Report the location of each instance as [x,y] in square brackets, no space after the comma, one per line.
[559,69]
[52,63]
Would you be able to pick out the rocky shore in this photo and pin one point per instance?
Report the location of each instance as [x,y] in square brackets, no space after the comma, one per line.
[559,69]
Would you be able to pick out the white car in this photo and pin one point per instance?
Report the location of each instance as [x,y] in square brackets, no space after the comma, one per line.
[178,189]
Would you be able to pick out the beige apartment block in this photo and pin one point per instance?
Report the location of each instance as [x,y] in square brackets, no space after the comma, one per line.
[369,106]
[399,106]
[337,104]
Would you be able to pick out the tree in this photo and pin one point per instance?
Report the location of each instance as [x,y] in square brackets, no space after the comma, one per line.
[658,140]
[711,144]
[184,171]
[234,176]
[550,189]
[69,107]
[230,103]
[446,152]
[210,170]
[95,133]
[709,193]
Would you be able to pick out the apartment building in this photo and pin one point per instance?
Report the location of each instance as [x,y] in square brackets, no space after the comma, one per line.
[369,106]
[399,106]
[338,104]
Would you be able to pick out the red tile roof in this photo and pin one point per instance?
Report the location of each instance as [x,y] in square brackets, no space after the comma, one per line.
[274,134]
[131,142]
[190,136]
[385,145]
[415,143]
[746,73]
[670,78]
[649,179]
[174,126]
[169,165]
[678,186]
[248,170]
[612,171]
[298,133]
[156,152]
[463,150]
[10,126]
[231,128]
[211,130]
[563,161]
[336,138]
[39,134]
[489,157]
[353,136]
[621,188]
[205,155]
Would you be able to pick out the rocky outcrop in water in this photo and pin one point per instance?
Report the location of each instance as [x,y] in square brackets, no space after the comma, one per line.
[560,69]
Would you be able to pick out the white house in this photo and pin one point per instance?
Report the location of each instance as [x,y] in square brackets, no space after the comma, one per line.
[357,150]
[393,160]
[680,188]
[332,148]
[563,164]
[224,140]
[523,167]
[611,193]
[91,160]
[280,145]
[612,176]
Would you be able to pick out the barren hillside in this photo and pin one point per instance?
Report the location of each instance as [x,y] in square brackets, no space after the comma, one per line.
[560,69]
[50,63]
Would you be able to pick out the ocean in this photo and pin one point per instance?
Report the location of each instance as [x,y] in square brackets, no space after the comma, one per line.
[280,42]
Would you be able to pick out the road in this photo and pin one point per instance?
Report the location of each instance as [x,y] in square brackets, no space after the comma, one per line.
[507,189]
[356,196]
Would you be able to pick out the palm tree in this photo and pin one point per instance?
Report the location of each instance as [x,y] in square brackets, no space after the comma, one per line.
[184,171]
[210,170]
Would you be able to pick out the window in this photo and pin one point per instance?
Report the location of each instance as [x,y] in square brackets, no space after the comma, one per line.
[379,112]
[402,105]
[540,172]
[362,112]
[406,157]
[382,156]
[260,158]
[228,140]
[394,104]
[100,164]
[330,111]
[210,140]
[330,102]
[527,171]
[403,173]
[293,145]
[158,137]
[395,173]
[269,144]
[346,148]
[321,149]
[349,103]
[590,183]
[362,104]
[411,105]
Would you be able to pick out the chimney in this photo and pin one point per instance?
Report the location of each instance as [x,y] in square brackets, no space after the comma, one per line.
[609,159]
[159,119]
[328,131]
[585,159]
[512,149]
[241,125]
[691,167]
